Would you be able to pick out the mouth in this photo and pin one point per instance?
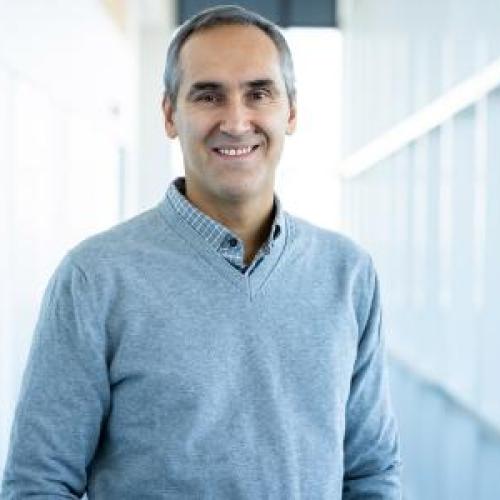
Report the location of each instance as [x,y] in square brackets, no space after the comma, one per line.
[235,152]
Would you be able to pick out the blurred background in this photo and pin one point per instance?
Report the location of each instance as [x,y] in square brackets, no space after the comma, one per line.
[398,146]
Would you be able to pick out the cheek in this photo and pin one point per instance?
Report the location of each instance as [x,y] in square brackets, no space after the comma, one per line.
[276,123]
[191,136]
[193,126]
[276,130]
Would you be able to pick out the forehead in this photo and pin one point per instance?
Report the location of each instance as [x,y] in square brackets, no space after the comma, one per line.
[229,53]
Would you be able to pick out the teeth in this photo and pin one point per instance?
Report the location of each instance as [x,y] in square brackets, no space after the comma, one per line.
[235,152]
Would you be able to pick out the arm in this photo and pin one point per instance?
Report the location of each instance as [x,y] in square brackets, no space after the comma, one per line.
[371,448]
[64,395]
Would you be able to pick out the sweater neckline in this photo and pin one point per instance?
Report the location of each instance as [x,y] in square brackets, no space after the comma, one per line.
[251,281]
[216,234]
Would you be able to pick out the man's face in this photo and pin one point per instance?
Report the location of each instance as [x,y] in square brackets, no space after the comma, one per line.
[232,115]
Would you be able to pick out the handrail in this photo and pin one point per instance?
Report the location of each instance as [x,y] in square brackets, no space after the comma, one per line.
[430,116]
[488,424]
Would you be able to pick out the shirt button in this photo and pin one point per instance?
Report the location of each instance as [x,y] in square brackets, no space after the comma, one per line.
[233,242]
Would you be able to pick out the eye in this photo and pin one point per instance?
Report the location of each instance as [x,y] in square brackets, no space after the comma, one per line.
[209,98]
[260,94]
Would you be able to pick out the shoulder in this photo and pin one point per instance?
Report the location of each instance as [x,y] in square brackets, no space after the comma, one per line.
[131,237]
[336,261]
[328,245]
[120,252]
[97,266]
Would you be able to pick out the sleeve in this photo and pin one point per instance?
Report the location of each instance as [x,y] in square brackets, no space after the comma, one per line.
[64,396]
[371,444]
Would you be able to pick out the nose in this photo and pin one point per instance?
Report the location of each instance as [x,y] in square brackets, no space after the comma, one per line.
[236,118]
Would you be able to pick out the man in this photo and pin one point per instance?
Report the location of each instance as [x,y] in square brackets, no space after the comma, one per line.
[215,346]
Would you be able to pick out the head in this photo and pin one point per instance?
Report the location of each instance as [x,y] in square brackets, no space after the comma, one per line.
[230,99]
[222,16]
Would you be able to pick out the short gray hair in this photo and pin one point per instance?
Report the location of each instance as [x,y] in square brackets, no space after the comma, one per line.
[220,16]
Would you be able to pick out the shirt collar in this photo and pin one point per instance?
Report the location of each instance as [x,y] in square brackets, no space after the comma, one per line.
[216,234]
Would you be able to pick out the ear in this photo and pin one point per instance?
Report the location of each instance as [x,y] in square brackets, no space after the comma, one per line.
[292,119]
[168,114]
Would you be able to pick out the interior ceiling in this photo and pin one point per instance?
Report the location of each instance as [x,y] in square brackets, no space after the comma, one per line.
[285,13]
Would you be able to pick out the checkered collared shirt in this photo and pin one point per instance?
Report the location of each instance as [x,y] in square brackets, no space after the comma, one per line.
[218,236]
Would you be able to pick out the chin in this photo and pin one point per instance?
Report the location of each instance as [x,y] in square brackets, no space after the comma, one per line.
[244,189]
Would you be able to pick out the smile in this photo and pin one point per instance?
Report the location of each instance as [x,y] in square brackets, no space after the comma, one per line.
[236,152]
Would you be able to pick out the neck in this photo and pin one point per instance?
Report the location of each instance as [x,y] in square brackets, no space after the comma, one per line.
[250,221]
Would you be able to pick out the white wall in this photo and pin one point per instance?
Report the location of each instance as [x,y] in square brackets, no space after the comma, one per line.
[430,215]
[64,71]
[151,24]
[307,180]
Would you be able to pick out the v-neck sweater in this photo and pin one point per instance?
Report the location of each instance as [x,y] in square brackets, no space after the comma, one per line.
[159,371]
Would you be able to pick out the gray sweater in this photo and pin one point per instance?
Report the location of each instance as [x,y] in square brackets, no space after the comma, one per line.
[159,371]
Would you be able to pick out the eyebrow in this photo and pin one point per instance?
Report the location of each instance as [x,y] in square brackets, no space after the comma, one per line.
[210,85]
